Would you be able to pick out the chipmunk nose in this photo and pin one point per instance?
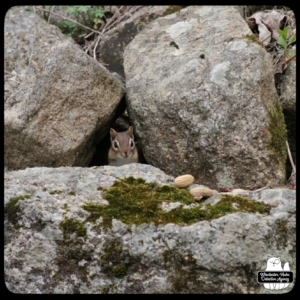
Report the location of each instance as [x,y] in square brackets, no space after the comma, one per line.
[126,154]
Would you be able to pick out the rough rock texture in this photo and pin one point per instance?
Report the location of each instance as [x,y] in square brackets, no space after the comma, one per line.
[221,255]
[199,88]
[26,34]
[288,100]
[57,116]
[288,86]
[114,42]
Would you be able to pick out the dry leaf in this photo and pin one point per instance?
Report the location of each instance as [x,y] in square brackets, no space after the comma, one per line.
[278,67]
[252,23]
[264,34]
[268,24]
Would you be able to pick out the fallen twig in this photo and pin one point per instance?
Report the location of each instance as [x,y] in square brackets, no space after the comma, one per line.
[263,188]
[96,45]
[289,59]
[101,33]
[116,18]
[128,13]
[290,157]
[49,17]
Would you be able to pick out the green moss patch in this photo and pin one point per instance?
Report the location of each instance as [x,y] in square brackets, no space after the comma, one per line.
[244,204]
[253,38]
[12,208]
[70,226]
[133,201]
[278,132]
[69,254]
[112,261]
[71,251]
[55,192]
[173,9]
[182,272]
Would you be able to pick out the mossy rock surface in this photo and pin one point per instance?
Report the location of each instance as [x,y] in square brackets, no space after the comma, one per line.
[133,201]
[59,247]
[278,132]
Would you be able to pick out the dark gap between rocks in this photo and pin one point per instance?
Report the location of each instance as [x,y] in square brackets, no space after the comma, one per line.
[120,123]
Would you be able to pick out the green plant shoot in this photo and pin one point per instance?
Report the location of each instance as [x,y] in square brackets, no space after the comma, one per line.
[285,43]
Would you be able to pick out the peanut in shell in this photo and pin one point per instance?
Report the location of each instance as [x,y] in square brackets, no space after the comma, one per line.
[184,181]
[200,192]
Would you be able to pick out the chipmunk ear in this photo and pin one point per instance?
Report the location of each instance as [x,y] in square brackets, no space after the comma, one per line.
[130,130]
[112,133]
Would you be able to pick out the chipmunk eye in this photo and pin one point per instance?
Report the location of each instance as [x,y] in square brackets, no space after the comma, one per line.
[116,145]
[131,143]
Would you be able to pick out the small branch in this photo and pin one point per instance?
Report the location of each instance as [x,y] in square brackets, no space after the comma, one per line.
[102,32]
[128,13]
[89,35]
[112,20]
[96,45]
[115,19]
[263,188]
[49,17]
[290,157]
[289,59]
[65,18]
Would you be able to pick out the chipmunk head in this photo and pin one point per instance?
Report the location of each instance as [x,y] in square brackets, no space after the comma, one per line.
[122,142]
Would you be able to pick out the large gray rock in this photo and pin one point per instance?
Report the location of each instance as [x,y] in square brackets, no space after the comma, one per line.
[199,88]
[221,255]
[114,41]
[26,35]
[58,114]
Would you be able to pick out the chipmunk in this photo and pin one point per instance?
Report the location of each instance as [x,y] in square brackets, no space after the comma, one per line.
[123,149]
